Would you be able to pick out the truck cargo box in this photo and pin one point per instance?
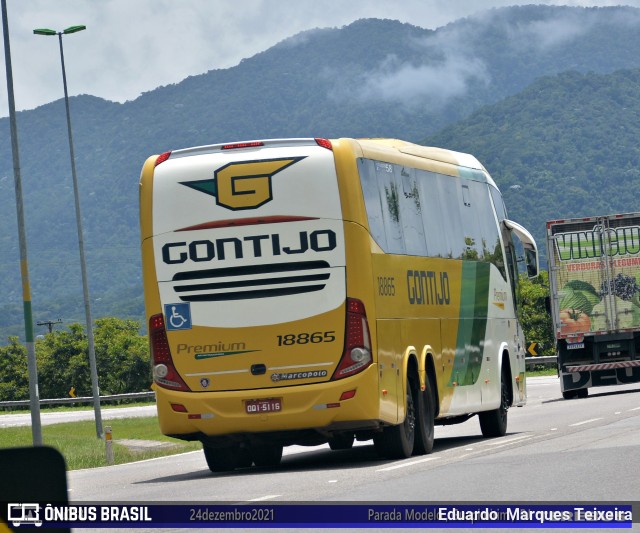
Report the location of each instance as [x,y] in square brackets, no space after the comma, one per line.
[594,279]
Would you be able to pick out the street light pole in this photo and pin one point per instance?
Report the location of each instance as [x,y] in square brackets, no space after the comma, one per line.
[34,395]
[83,267]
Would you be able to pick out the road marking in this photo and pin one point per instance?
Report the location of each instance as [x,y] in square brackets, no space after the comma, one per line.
[332,481]
[553,429]
[617,412]
[634,409]
[585,422]
[506,441]
[405,464]
[262,498]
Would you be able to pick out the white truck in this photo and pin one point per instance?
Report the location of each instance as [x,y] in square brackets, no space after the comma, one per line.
[594,283]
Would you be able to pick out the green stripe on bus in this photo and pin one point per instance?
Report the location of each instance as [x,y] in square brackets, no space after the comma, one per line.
[474,302]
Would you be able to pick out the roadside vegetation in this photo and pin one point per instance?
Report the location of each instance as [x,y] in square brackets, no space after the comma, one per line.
[81,448]
[122,357]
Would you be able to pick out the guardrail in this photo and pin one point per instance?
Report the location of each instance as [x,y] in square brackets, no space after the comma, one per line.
[547,360]
[84,399]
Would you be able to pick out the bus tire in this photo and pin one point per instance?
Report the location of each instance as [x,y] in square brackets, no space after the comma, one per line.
[425,414]
[266,454]
[341,441]
[583,393]
[570,394]
[221,459]
[396,442]
[494,423]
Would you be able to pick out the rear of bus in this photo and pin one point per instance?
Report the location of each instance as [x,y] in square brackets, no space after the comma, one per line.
[256,340]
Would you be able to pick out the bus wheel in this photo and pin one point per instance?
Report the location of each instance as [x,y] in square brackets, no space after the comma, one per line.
[494,423]
[222,459]
[570,394]
[396,442]
[266,454]
[425,414]
[583,393]
[341,441]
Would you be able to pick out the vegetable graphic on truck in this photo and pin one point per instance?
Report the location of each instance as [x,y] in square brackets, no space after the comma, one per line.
[594,276]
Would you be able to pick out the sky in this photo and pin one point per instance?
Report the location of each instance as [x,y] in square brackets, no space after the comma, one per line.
[134,46]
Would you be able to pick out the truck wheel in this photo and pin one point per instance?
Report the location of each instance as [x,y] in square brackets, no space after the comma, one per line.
[425,414]
[494,423]
[396,442]
[341,441]
[222,459]
[266,454]
[570,394]
[583,393]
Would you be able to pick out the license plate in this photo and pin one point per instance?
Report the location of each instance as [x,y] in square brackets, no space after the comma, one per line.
[263,405]
[575,345]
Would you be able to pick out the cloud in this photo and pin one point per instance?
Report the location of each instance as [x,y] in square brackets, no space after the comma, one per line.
[412,85]
[544,35]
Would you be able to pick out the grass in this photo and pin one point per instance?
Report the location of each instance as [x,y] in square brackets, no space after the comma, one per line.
[81,448]
[540,370]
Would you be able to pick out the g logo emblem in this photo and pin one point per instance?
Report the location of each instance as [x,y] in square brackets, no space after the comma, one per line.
[243,184]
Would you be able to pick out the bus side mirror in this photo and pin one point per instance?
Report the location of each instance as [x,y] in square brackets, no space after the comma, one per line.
[531,260]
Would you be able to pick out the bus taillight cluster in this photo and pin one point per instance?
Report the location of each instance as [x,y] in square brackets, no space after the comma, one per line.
[164,371]
[357,344]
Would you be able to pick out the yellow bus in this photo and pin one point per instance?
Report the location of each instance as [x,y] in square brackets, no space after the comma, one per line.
[305,291]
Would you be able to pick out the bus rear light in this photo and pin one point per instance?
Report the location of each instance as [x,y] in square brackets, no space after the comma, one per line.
[357,345]
[325,143]
[347,395]
[179,408]
[162,158]
[235,146]
[164,371]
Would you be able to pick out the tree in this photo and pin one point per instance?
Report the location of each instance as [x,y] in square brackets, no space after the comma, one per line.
[63,363]
[14,374]
[122,358]
[535,319]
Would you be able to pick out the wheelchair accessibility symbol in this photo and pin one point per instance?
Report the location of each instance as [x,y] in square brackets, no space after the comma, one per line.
[178,316]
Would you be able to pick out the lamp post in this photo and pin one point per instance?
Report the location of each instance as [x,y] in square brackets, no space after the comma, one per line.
[34,395]
[83,267]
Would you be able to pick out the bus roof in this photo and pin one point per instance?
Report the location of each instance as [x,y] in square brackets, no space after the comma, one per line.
[374,148]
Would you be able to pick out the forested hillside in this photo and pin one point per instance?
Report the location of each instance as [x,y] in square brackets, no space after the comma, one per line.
[567,146]
[370,78]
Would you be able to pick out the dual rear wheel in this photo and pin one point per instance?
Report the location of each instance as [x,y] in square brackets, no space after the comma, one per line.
[572,394]
[415,435]
[232,457]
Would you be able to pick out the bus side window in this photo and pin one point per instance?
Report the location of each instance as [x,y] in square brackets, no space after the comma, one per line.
[411,208]
[390,189]
[372,201]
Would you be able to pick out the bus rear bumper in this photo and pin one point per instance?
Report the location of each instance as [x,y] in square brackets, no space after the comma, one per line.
[315,407]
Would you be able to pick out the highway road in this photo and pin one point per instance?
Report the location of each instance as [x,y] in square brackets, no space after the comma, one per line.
[555,451]
[57,417]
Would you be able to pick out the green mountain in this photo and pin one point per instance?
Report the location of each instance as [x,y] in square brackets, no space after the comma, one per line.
[567,146]
[370,78]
